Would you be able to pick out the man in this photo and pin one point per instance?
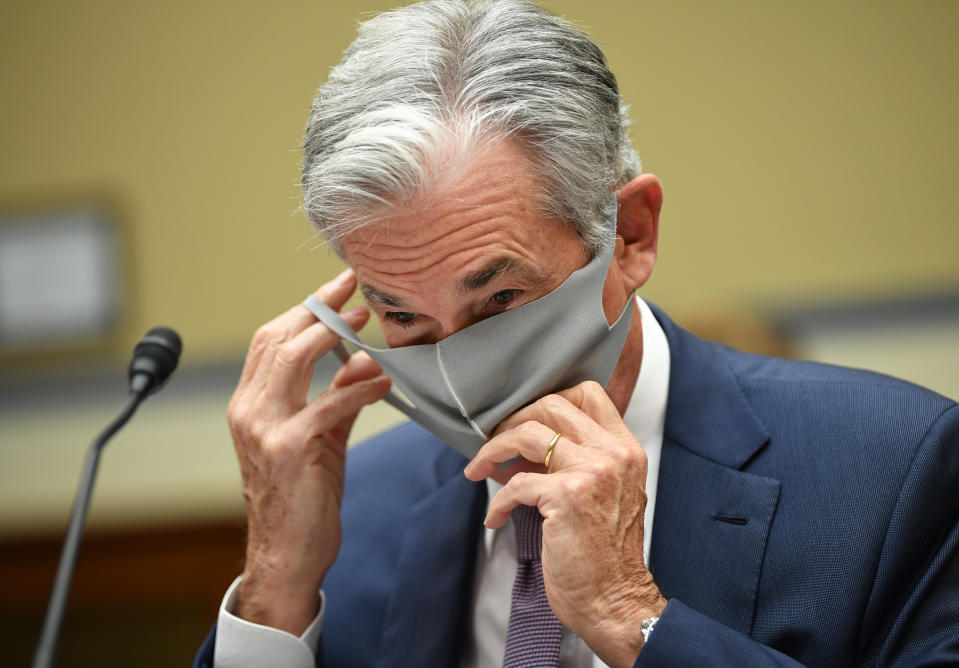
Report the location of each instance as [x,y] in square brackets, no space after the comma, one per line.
[463,159]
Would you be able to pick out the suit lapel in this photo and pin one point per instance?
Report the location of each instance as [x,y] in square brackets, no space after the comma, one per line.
[428,612]
[712,518]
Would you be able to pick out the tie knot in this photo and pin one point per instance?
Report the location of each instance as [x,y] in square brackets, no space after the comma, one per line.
[529,532]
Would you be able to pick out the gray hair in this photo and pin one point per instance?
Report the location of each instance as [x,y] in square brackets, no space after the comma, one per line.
[440,73]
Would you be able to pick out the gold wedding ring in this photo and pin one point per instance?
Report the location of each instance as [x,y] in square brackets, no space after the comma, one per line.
[549,451]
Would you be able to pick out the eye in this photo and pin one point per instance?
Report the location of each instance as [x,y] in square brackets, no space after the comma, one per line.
[504,297]
[401,318]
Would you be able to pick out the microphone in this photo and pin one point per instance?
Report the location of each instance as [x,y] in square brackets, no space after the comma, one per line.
[154,359]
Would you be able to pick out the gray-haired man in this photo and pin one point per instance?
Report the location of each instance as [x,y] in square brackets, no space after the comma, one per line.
[463,160]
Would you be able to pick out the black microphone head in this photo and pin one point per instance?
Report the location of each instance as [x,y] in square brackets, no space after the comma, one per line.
[154,359]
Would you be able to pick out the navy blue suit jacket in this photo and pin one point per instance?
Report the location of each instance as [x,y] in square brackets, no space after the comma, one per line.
[805,513]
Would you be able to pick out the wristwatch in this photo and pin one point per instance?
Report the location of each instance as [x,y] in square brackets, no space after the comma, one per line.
[647,627]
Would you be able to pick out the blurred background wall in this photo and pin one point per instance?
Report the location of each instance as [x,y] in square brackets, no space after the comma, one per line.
[808,153]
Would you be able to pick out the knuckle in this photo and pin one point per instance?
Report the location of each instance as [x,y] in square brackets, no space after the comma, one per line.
[591,387]
[622,449]
[235,405]
[237,415]
[605,469]
[234,416]
[262,336]
[575,488]
[520,479]
[274,442]
[269,334]
[553,402]
[256,432]
[618,453]
[288,354]
[528,428]
[629,456]
[639,457]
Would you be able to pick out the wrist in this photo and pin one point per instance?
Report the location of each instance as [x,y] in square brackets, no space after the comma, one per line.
[623,638]
[271,598]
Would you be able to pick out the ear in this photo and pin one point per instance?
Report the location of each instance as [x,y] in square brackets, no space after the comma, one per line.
[637,223]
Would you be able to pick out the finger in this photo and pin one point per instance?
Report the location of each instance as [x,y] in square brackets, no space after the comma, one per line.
[518,465]
[330,408]
[591,398]
[529,440]
[290,323]
[557,413]
[292,369]
[334,294]
[523,489]
[360,366]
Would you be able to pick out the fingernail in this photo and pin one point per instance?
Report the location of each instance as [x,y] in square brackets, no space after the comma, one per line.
[355,312]
[343,276]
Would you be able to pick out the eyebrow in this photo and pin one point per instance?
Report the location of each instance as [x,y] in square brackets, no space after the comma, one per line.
[470,283]
[498,267]
[372,295]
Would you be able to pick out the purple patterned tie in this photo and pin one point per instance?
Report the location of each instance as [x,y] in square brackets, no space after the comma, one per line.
[534,634]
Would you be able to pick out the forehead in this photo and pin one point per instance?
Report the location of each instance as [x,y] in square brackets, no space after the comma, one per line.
[483,209]
[464,182]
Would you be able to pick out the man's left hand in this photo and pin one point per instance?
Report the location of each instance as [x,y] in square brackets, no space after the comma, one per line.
[592,500]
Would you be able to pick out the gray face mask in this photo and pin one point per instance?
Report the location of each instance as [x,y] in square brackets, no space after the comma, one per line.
[463,386]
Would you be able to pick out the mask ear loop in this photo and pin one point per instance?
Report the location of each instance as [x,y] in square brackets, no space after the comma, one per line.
[343,355]
[318,308]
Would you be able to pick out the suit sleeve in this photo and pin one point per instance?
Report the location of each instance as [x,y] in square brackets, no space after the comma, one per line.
[204,655]
[912,619]
[684,638]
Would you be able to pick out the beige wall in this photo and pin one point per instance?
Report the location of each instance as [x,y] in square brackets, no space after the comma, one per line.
[808,150]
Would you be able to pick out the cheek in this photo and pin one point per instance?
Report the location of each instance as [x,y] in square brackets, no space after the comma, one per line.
[385,329]
[399,337]
[392,336]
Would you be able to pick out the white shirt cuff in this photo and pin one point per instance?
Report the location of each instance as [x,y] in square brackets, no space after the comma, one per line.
[243,644]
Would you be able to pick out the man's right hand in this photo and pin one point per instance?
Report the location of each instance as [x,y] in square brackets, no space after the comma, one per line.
[292,454]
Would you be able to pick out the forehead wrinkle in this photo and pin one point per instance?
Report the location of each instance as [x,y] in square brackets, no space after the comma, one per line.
[391,236]
[387,262]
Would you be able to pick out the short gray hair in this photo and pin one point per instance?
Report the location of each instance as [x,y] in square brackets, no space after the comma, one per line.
[440,71]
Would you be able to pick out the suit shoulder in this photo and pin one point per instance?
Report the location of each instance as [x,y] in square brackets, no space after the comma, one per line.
[770,371]
[827,393]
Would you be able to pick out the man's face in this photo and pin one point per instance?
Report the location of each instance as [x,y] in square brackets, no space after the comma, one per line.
[476,247]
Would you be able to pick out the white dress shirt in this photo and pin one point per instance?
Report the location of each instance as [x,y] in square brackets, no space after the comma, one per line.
[243,644]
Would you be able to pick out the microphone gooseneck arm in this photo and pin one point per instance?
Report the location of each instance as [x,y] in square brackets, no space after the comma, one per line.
[47,647]
[154,359]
